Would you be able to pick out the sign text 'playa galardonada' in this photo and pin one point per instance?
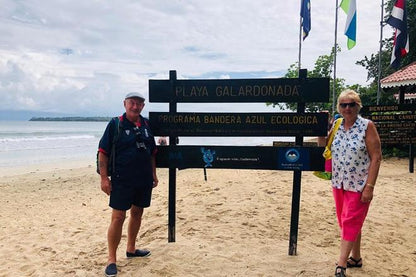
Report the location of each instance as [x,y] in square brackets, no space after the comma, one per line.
[240,90]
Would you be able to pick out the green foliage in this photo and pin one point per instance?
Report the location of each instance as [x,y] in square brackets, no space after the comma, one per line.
[368,95]
[323,68]
[371,63]
[399,151]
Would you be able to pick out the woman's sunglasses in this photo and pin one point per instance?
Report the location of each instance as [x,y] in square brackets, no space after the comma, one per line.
[344,105]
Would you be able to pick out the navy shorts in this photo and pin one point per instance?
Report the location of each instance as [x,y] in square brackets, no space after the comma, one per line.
[124,194]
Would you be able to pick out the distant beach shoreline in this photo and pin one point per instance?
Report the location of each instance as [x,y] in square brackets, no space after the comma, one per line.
[72,118]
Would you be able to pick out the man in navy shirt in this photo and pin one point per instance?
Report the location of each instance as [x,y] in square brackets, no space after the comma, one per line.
[132,178]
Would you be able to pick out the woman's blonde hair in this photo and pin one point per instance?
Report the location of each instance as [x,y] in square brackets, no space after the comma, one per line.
[350,94]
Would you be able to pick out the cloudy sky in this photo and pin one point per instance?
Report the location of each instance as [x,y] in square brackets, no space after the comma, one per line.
[80,57]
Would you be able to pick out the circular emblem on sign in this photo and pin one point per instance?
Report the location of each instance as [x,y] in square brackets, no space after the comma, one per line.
[292,155]
[208,156]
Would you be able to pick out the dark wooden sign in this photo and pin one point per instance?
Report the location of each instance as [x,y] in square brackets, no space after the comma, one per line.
[388,108]
[397,138]
[283,90]
[392,117]
[242,157]
[240,90]
[405,133]
[238,124]
[395,124]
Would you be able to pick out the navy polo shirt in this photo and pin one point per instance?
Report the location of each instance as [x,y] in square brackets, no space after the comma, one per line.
[134,148]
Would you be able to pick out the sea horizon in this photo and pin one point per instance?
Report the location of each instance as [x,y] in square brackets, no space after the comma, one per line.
[25,143]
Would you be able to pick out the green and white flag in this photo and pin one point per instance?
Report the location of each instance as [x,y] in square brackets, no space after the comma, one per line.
[349,7]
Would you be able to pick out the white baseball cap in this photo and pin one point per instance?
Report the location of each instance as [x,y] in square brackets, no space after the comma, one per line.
[134,95]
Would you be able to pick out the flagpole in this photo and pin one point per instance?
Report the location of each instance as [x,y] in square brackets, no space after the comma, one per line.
[335,60]
[300,40]
[379,52]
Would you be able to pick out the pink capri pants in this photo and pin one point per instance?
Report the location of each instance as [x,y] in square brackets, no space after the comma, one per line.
[351,212]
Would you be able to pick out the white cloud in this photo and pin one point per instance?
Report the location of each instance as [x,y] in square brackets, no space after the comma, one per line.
[81,57]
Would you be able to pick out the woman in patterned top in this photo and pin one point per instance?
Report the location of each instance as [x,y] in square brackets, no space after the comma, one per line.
[356,158]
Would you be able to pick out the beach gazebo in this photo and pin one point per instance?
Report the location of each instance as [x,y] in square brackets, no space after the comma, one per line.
[404,80]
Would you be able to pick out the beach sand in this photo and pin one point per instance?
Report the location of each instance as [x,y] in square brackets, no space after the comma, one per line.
[53,222]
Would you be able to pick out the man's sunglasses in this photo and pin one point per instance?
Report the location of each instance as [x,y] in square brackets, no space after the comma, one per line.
[344,105]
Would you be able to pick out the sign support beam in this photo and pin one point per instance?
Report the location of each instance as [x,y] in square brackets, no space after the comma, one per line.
[172,169]
[297,181]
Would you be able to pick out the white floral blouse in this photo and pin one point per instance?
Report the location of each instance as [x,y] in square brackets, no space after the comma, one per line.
[350,159]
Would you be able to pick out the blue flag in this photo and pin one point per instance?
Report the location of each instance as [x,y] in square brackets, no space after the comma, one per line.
[305,13]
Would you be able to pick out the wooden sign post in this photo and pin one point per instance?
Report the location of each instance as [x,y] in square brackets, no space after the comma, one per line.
[297,158]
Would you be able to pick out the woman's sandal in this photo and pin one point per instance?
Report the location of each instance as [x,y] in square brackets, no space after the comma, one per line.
[340,271]
[354,263]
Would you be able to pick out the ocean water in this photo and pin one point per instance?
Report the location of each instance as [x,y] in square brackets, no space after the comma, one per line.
[48,142]
[40,142]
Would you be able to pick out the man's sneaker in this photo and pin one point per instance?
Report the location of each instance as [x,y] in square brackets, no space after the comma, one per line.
[111,270]
[138,253]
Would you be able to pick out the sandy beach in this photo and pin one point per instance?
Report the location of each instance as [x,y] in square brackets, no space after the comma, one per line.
[53,222]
